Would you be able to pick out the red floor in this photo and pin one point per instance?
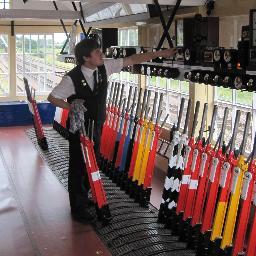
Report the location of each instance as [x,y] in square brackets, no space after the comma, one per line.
[34,208]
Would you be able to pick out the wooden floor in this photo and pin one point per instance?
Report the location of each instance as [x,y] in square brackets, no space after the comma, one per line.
[34,208]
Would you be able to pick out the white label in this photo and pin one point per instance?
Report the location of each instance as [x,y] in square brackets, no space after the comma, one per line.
[57,116]
[176,138]
[96,176]
[193,184]
[176,185]
[202,164]
[223,174]
[122,128]
[234,180]
[246,183]
[127,128]
[171,205]
[146,138]
[141,130]
[179,162]
[184,139]
[119,124]
[195,155]
[116,122]
[86,157]
[168,183]
[187,152]
[185,179]
[30,106]
[137,131]
[173,161]
[214,165]
[110,119]
[132,126]
[171,149]
[152,140]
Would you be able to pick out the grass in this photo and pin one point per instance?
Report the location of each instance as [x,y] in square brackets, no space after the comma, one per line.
[241,97]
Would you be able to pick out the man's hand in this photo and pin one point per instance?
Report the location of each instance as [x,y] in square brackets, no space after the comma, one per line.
[167,53]
[143,57]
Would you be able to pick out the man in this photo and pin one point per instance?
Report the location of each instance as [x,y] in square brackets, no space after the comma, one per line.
[89,81]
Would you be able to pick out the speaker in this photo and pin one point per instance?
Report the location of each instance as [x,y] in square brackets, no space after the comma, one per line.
[109,38]
[152,11]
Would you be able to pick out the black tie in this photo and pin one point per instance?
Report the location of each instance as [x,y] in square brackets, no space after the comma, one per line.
[95,89]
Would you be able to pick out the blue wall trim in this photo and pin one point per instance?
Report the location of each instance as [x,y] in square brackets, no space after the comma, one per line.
[18,114]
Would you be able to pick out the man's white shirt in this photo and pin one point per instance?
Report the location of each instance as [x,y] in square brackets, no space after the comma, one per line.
[66,87]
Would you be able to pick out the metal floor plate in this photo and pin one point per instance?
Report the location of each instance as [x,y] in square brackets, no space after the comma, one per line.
[134,230]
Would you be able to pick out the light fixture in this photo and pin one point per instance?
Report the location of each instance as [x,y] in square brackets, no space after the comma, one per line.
[141,23]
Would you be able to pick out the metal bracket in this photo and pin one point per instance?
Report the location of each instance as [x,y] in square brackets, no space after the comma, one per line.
[80,22]
[61,21]
[12,28]
[162,19]
[167,27]
[64,46]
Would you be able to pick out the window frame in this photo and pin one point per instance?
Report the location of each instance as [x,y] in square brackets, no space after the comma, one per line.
[45,53]
[233,105]
[168,90]
[2,96]
[122,31]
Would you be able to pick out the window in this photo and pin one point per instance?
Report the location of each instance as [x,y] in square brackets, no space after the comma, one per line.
[173,91]
[4,66]
[117,10]
[234,99]
[128,36]
[126,78]
[4,4]
[36,59]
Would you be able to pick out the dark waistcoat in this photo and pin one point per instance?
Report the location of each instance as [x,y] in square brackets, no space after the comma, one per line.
[94,103]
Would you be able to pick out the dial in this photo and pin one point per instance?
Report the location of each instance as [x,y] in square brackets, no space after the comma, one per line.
[227,56]
[115,52]
[238,83]
[121,55]
[189,75]
[226,80]
[197,77]
[206,78]
[216,79]
[250,83]
[216,55]
[187,55]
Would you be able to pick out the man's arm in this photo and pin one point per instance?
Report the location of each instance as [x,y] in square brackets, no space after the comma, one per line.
[58,102]
[61,92]
[143,57]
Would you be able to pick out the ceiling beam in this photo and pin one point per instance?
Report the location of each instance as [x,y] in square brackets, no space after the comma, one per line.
[121,19]
[161,2]
[39,14]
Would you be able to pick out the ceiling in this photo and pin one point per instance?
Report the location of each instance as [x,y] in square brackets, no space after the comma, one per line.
[90,10]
